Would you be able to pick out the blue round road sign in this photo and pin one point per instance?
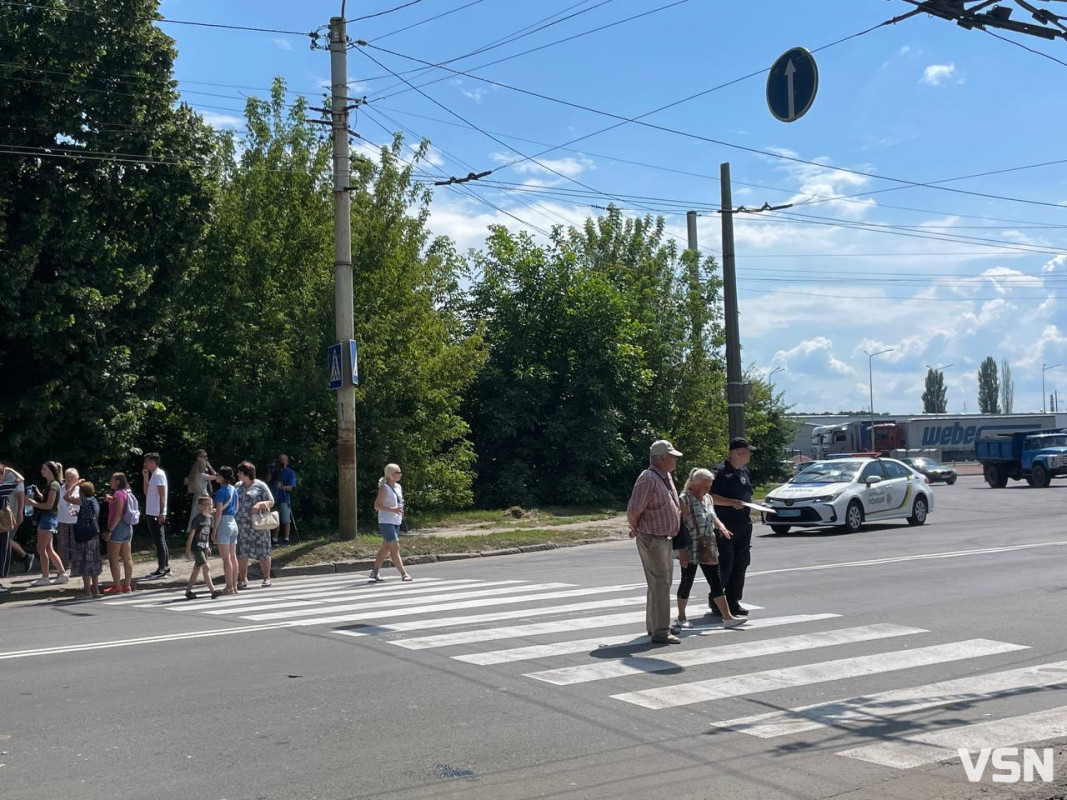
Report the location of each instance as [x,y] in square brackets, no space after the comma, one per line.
[792,85]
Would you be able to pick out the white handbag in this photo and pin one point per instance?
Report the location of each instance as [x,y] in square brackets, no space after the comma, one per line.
[265,520]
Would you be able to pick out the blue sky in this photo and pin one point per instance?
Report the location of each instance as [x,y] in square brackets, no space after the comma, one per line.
[922,101]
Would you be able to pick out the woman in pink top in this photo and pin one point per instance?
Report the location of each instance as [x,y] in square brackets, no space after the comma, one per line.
[120,535]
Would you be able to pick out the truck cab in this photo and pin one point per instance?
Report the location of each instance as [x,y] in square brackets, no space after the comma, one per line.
[1037,457]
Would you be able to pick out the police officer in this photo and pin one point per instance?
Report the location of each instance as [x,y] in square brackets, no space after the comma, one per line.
[731,488]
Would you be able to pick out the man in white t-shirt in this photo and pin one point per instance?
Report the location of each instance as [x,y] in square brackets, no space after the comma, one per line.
[155,508]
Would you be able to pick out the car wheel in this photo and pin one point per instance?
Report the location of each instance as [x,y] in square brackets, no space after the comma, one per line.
[780,529]
[950,481]
[994,477]
[1040,477]
[919,511]
[853,517]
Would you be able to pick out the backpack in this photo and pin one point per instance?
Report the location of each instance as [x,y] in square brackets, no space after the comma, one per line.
[87,527]
[131,514]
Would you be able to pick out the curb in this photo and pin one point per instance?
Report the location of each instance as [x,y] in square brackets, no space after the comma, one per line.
[68,591]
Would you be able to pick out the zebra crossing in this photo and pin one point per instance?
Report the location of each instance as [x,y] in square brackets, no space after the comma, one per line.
[564,635]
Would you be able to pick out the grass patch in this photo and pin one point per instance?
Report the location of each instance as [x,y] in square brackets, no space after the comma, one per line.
[320,551]
[489,518]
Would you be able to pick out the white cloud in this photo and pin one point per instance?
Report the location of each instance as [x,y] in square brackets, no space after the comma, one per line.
[283,44]
[812,357]
[1057,264]
[940,74]
[476,94]
[570,166]
[221,120]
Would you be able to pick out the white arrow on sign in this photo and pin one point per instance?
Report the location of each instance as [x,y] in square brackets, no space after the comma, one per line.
[790,71]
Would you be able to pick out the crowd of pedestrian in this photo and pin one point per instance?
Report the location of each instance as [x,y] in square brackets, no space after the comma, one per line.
[230,508]
[707,524]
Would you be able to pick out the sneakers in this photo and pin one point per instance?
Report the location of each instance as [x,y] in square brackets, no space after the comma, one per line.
[739,612]
[190,595]
[683,623]
[217,593]
[670,638]
[374,576]
[735,622]
[266,583]
[160,573]
[242,585]
[62,578]
[112,590]
[285,543]
[127,589]
[41,582]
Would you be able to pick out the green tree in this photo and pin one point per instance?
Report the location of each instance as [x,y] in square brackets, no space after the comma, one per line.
[251,354]
[770,429]
[935,395]
[988,387]
[1007,387]
[99,221]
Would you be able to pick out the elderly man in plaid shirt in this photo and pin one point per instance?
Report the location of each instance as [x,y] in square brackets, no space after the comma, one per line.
[654,515]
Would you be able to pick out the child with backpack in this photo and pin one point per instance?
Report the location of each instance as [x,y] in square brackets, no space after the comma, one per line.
[123,513]
[85,550]
[198,546]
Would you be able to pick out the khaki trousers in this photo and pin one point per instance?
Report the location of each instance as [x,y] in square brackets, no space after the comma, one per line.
[655,552]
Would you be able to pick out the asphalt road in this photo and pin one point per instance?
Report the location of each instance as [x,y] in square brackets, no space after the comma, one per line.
[527,676]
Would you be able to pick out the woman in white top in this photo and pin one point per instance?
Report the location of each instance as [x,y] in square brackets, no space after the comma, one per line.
[68,515]
[390,507]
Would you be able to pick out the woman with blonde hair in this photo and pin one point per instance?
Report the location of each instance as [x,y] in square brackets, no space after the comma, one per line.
[390,507]
[48,524]
[68,514]
[698,516]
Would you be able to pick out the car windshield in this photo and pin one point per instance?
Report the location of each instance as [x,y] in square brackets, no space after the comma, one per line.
[928,463]
[1053,441]
[829,472]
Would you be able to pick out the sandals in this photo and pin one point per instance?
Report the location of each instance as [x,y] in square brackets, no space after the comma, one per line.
[406,578]
[374,576]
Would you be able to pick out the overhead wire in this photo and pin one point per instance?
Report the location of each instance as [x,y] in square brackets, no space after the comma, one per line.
[383,13]
[429,19]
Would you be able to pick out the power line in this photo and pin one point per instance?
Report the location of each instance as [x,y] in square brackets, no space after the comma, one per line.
[711,140]
[1024,47]
[429,19]
[542,46]
[383,13]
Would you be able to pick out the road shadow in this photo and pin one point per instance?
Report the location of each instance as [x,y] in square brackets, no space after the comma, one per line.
[801,533]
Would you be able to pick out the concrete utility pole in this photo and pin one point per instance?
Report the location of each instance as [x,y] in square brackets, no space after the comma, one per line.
[735,390]
[342,278]
[870,379]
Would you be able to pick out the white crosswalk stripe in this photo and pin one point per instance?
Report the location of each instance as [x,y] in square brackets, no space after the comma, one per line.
[269,603]
[919,749]
[584,645]
[791,677]
[595,635]
[636,665]
[875,708]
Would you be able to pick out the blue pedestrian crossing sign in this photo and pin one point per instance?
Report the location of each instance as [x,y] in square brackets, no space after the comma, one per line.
[342,364]
[333,365]
[792,85]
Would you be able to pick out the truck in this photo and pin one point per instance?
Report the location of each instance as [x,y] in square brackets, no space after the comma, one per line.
[952,436]
[1037,457]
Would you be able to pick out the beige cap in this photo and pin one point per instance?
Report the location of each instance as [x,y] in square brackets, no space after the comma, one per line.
[661,447]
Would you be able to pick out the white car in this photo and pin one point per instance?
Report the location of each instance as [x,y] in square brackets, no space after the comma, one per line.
[846,492]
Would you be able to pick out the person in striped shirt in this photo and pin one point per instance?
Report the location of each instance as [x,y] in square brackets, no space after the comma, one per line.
[654,515]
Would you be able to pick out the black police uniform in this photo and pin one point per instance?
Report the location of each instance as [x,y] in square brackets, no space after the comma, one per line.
[734,554]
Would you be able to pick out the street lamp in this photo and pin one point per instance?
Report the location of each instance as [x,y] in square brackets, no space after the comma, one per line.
[939,370]
[1045,369]
[771,375]
[870,380]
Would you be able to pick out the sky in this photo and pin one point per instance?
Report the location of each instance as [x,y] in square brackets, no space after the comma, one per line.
[943,275]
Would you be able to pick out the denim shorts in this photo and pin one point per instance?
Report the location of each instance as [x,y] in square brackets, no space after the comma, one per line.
[390,533]
[285,513]
[227,532]
[123,533]
[48,522]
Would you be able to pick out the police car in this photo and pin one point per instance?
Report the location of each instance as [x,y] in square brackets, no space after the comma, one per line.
[847,492]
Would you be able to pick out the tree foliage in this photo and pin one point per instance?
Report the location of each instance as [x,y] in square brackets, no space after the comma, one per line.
[935,395]
[1007,387]
[988,387]
[94,248]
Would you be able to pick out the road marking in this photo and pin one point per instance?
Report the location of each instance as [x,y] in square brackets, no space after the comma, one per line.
[587,645]
[451,622]
[519,631]
[927,748]
[322,583]
[789,677]
[170,637]
[480,599]
[873,709]
[916,557]
[322,601]
[637,665]
[274,594]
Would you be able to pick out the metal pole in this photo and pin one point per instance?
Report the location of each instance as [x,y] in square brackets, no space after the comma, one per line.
[1042,388]
[870,380]
[691,226]
[342,278]
[735,401]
